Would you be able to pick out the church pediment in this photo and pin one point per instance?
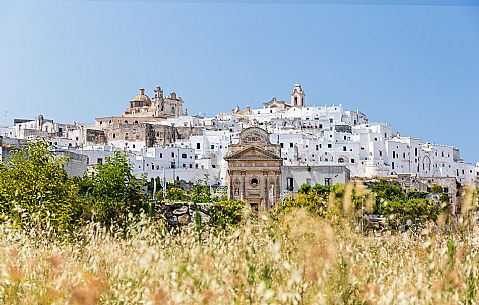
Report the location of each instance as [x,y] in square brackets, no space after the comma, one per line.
[253,153]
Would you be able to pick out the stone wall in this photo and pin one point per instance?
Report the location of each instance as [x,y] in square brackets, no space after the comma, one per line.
[163,135]
[178,214]
[150,134]
[93,136]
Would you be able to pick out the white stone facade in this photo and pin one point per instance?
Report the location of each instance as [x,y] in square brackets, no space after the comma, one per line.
[307,135]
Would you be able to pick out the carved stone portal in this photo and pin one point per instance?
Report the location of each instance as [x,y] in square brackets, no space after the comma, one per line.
[254,169]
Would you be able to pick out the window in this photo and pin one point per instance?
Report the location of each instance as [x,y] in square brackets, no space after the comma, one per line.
[344,148]
[352,160]
[184,156]
[281,145]
[161,155]
[113,136]
[99,161]
[172,154]
[291,145]
[317,147]
[381,153]
[289,184]
[212,147]
[330,145]
[133,145]
[152,166]
[198,145]
[344,138]
[392,164]
[331,121]
[327,181]
[254,182]
[415,151]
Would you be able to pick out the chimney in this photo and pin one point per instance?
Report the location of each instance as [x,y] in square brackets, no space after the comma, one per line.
[142,91]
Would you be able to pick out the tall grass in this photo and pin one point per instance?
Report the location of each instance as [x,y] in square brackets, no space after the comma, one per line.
[296,259]
[291,258]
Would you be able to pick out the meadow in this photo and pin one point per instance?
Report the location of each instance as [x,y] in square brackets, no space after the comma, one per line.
[294,258]
[98,240]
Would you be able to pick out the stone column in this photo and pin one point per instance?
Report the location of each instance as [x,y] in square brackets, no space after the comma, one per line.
[230,185]
[277,186]
[266,191]
[243,185]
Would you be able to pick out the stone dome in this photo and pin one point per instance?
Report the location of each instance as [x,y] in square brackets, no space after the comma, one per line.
[142,97]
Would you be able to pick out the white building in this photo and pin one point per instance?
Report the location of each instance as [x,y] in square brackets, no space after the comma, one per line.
[308,136]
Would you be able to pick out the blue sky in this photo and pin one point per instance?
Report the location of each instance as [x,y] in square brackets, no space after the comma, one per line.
[414,66]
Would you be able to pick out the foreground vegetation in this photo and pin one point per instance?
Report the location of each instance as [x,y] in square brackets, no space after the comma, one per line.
[297,258]
[97,240]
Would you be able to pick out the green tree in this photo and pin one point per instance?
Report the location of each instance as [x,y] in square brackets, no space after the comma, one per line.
[399,207]
[35,190]
[201,192]
[114,192]
[174,193]
[226,214]
[313,199]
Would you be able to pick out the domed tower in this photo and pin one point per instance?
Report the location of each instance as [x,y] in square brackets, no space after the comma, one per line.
[297,96]
[141,100]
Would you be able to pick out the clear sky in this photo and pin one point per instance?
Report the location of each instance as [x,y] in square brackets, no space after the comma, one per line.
[414,66]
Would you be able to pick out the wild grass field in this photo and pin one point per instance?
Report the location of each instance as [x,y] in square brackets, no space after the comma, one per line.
[98,240]
[295,258]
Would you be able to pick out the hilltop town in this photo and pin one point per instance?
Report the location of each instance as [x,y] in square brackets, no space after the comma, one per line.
[256,155]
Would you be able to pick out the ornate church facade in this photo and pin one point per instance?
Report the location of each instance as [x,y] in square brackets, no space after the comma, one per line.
[254,169]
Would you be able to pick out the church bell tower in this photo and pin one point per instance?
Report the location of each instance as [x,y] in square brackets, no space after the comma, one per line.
[297,96]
